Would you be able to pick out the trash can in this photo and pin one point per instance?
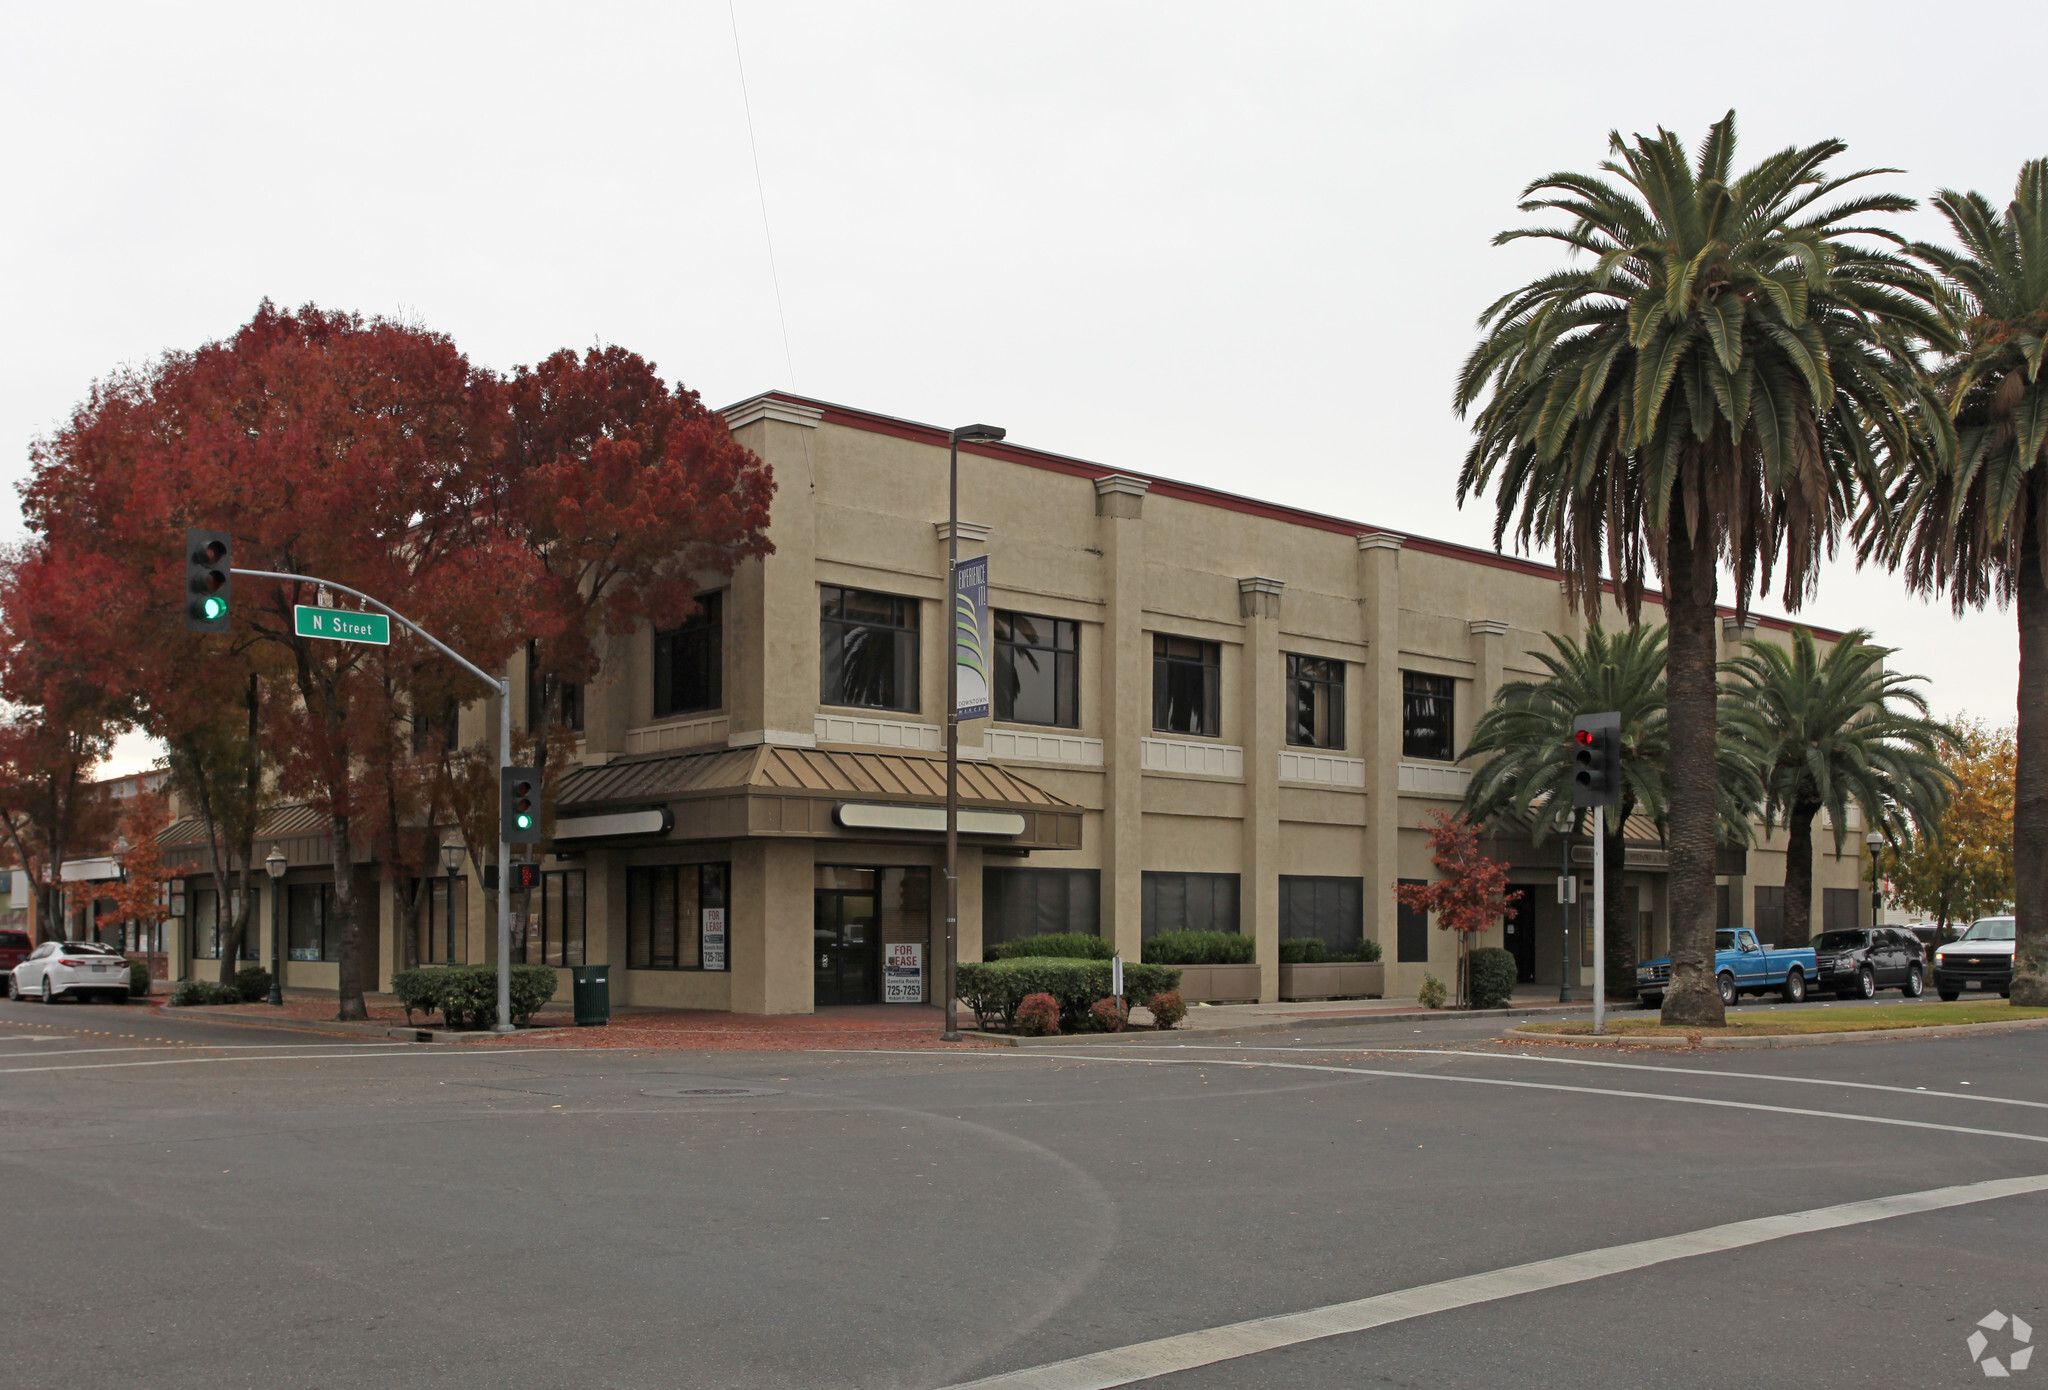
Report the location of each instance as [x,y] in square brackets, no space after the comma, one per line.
[593,995]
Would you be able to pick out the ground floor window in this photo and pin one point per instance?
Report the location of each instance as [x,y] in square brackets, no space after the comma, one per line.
[1332,910]
[871,931]
[1770,914]
[1841,908]
[675,917]
[552,931]
[311,931]
[207,929]
[1016,903]
[1189,902]
[444,922]
[1411,929]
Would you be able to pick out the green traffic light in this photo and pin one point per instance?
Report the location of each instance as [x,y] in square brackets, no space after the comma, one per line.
[524,822]
[213,607]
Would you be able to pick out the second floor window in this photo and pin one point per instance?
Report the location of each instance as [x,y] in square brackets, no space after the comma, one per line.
[1186,679]
[1038,674]
[689,661]
[567,711]
[867,649]
[1315,702]
[1426,712]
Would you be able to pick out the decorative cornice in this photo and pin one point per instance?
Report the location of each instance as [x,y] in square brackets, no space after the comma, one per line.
[1487,627]
[1124,483]
[1379,540]
[969,531]
[1259,598]
[771,407]
[1739,629]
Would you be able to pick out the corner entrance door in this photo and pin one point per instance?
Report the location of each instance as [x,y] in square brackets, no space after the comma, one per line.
[1521,931]
[848,953]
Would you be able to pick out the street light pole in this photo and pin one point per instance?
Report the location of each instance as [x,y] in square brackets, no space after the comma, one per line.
[989,433]
[1875,842]
[451,860]
[274,864]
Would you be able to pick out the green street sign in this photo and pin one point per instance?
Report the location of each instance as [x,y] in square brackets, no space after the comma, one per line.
[336,625]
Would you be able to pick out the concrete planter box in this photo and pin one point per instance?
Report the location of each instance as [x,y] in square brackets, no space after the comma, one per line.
[1219,984]
[1334,980]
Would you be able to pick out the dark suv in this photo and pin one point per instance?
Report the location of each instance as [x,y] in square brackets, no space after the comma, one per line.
[1858,962]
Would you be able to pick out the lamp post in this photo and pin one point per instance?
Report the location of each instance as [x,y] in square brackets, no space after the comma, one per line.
[274,864]
[451,860]
[120,850]
[1875,842]
[989,434]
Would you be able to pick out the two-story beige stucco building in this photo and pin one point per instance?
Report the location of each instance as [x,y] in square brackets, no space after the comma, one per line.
[1209,712]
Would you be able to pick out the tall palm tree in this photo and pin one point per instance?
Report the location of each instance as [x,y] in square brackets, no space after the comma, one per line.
[1708,387]
[1968,519]
[1525,779]
[1828,732]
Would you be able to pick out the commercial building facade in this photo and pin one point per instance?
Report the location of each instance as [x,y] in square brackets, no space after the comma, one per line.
[1209,712]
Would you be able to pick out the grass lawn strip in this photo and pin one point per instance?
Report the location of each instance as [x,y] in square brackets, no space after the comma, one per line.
[1853,1020]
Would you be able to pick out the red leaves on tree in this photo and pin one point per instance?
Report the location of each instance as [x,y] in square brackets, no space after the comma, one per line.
[1471,896]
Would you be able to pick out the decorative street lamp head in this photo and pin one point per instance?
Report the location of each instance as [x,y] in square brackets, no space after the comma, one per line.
[451,856]
[274,863]
[1875,841]
[983,434]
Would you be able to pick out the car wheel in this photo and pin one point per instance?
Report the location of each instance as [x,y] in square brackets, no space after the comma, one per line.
[1729,994]
[120,996]
[1948,996]
[1795,986]
[49,990]
[1866,984]
[12,992]
[1915,984]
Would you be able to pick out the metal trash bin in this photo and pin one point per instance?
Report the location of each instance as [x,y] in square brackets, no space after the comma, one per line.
[593,992]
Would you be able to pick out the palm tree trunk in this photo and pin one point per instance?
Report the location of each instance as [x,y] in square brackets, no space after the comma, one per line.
[2030,775]
[1692,997]
[1798,929]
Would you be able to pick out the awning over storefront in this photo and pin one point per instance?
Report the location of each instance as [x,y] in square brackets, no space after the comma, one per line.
[298,831]
[739,793]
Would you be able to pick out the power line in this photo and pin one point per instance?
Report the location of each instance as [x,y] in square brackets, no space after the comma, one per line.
[760,191]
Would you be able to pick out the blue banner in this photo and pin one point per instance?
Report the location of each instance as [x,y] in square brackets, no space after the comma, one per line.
[970,636]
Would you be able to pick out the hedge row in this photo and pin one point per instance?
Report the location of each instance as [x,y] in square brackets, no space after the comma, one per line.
[466,996]
[994,989]
[1199,948]
[1071,945]
[1310,950]
[251,986]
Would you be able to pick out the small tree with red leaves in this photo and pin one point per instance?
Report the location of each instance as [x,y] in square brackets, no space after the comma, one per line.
[1472,894]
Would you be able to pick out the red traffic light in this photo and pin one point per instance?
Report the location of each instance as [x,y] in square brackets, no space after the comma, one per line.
[1583,737]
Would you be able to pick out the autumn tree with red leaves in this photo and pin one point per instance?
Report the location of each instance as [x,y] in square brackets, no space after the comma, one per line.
[1470,897]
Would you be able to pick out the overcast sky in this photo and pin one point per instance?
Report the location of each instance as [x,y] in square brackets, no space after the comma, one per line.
[1240,245]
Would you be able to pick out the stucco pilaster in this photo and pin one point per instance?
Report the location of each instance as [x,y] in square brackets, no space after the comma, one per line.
[1126,665]
[1264,688]
[1379,575]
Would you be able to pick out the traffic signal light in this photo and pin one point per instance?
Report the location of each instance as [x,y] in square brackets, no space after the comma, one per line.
[526,877]
[1596,760]
[519,806]
[208,557]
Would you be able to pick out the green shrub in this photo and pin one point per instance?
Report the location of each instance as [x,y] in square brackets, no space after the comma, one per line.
[252,983]
[138,976]
[466,996]
[1492,974]
[1199,948]
[1303,950]
[995,989]
[1110,1015]
[1168,1010]
[1432,994]
[1071,945]
[417,990]
[1038,1015]
[187,993]
[1368,951]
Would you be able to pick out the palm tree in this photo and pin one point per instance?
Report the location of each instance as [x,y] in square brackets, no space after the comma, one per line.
[1966,519]
[1828,732]
[1526,778]
[1710,389]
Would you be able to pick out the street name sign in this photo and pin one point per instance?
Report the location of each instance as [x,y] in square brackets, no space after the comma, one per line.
[337,625]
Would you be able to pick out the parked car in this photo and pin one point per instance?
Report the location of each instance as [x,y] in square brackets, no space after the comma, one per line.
[1980,960]
[1933,936]
[1857,962]
[70,969]
[14,948]
[1741,966]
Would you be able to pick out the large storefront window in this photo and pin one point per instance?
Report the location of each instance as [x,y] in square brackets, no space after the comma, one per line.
[867,649]
[444,934]
[1330,909]
[551,930]
[203,914]
[311,933]
[689,661]
[1018,903]
[676,917]
[1189,902]
[1038,670]
[872,931]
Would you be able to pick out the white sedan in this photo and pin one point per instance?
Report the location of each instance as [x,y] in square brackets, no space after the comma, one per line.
[57,969]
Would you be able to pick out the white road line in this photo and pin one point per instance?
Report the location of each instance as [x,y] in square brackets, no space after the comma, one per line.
[1144,1360]
[1492,1081]
[295,1057]
[1630,1066]
[187,1047]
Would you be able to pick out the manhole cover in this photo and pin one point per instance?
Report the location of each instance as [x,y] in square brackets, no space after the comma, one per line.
[723,1092]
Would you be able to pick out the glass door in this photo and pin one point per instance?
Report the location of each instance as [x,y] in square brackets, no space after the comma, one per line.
[847,952]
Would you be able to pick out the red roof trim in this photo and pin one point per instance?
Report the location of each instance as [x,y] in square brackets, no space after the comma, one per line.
[920,433]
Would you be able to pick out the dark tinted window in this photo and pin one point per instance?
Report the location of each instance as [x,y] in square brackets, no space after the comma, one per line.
[689,661]
[867,654]
[1427,708]
[1315,702]
[14,940]
[1038,670]
[1330,909]
[1411,929]
[1186,677]
[1189,902]
[1840,941]
[1016,903]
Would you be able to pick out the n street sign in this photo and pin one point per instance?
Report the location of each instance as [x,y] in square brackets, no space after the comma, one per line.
[338,625]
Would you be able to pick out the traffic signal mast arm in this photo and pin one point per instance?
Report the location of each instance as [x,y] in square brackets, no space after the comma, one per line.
[503,687]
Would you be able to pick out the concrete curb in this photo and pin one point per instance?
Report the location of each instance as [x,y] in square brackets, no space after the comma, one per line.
[408,1032]
[1256,1029]
[1954,1030]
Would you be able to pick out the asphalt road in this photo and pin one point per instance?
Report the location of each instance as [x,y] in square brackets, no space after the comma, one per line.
[192,1205]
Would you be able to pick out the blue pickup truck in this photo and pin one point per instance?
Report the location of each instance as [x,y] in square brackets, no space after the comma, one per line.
[1741,966]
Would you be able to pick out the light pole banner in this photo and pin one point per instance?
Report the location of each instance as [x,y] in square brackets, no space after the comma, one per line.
[970,636]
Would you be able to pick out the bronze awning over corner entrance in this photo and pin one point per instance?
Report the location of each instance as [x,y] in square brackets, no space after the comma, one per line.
[740,793]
